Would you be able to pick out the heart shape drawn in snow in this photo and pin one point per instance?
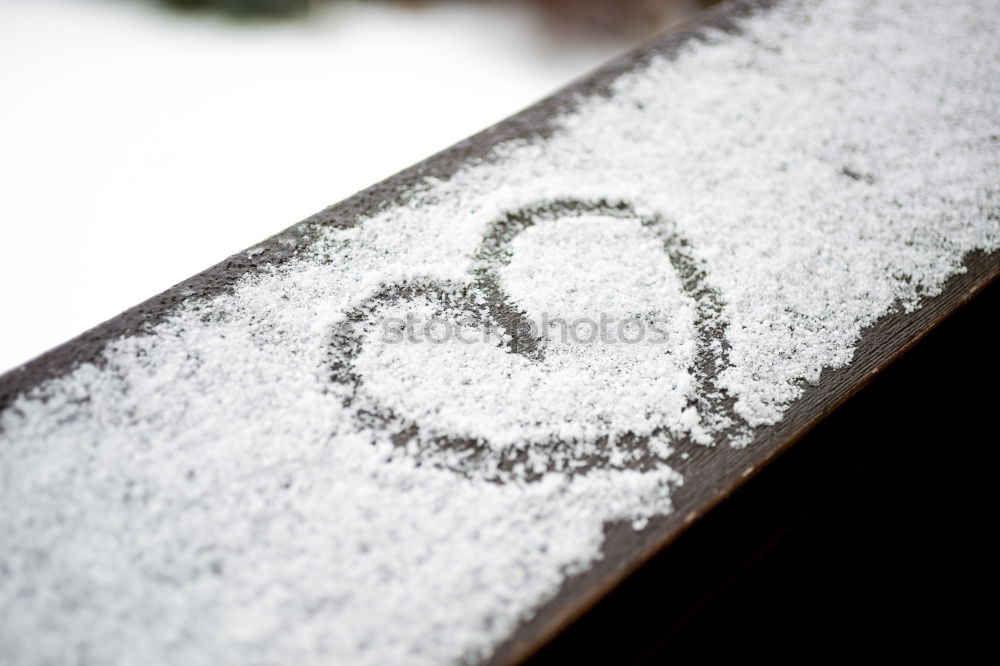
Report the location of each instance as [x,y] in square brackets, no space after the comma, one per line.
[585,337]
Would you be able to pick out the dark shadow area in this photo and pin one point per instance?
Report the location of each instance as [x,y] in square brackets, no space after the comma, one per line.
[870,536]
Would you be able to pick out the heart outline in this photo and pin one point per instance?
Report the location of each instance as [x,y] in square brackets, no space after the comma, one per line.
[475,457]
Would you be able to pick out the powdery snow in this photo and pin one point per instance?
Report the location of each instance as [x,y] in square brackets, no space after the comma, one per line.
[213,492]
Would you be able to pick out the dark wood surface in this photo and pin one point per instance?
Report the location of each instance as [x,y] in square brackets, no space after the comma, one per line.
[712,474]
[869,536]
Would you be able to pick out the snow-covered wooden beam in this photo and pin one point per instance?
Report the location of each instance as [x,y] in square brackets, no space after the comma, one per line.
[437,421]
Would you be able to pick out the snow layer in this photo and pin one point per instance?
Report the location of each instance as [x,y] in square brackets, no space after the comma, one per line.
[210,493]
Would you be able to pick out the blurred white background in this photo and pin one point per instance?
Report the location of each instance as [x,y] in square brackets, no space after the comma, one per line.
[140,145]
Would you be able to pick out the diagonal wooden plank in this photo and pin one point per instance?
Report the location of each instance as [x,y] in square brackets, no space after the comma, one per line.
[233,458]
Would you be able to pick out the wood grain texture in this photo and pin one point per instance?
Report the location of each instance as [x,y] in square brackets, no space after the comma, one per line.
[712,473]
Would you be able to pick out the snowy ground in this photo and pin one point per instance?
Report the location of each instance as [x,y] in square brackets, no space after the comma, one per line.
[139,146]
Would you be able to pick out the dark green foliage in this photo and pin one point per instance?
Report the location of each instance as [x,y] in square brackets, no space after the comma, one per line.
[245,7]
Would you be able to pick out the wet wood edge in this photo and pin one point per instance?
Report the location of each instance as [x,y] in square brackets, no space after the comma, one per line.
[712,474]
